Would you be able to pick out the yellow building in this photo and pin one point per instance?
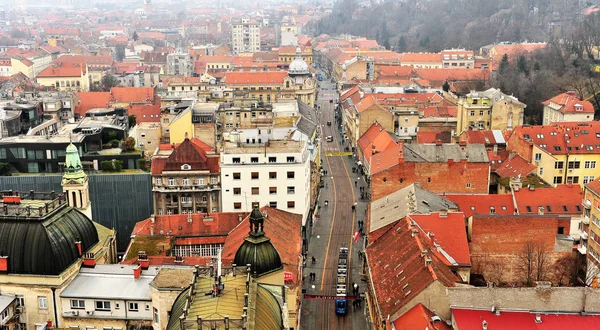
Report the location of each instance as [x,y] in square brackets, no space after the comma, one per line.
[288,53]
[147,136]
[489,110]
[563,152]
[65,77]
[359,113]
[176,127]
[23,65]
[56,239]
[589,245]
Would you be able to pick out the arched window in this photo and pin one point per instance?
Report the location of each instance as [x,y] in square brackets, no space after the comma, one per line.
[74,197]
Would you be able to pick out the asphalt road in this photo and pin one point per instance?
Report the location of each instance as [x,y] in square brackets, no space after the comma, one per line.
[334,227]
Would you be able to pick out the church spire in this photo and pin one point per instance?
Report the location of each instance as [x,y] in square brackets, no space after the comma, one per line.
[257,223]
[73,167]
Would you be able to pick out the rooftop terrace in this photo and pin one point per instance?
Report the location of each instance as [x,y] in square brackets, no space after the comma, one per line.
[16,204]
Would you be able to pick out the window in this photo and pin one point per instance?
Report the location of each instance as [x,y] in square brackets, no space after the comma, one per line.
[272,190]
[21,300]
[472,113]
[573,179]
[236,160]
[291,204]
[255,190]
[42,302]
[574,165]
[237,191]
[538,157]
[291,159]
[253,159]
[557,148]
[254,175]
[468,185]
[481,112]
[290,175]
[272,159]
[588,179]
[213,180]
[102,305]
[133,307]
[559,165]
[273,204]
[156,319]
[200,182]
[158,181]
[77,304]
[237,176]
[291,190]
[171,182]
[558,179]
[590,164]
[541,171]
[186,182]
[237,206]
[272,175]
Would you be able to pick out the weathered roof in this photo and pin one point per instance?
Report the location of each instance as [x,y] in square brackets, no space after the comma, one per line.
[189,152]
[472,153]
[110,282]
[307,123]
[419,317]
[409,200]
[46,246]
[173,278]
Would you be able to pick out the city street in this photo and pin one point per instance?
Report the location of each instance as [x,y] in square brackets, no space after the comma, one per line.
[334,227]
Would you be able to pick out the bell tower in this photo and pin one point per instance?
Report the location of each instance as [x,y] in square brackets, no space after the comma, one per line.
[75,182]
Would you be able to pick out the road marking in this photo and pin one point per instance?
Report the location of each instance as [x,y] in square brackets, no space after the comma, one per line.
[338,154]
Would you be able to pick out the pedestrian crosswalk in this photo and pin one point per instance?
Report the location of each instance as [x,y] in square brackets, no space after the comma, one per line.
[338,154]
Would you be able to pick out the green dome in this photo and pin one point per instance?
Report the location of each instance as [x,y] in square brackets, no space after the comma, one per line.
[260,253]
[257,250]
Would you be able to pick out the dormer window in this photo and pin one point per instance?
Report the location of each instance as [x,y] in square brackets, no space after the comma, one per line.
[186,167]
[578,107]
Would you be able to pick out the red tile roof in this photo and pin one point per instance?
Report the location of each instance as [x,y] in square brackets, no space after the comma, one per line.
[387,260]
[65,70]
[91,100]
[483,204]
[215,224]
[90,60]
[365,103]
[419,317]
[449,232]
[562,200]
[563,137]
[192,152]
[395,71]
[594,186]
[432,137]
[284,230]
[255,78]
[443,111]
[379,149]
[439,76]
[516,166]
[482,137]
[471,319]
[133,94]
[570,104]
[417,99]
[410,58]
[145,113]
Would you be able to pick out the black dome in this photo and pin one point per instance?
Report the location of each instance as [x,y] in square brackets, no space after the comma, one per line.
[260,253]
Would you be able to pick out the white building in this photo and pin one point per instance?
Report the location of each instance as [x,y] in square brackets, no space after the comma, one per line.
[276,174]
[180,63]
[245,36]
[110,296]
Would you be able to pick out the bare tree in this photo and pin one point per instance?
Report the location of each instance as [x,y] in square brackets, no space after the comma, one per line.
[528,261]
[542,260]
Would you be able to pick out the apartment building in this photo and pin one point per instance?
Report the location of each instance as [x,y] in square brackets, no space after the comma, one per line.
[589,244]
[180,63]
[458,58]
[490,109]
[275,173]
[567,152]
[567,107]
[245,36]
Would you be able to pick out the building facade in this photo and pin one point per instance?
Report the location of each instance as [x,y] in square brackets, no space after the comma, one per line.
[187,180]
[180,63]
[245,36]
[490,109]
[275,173]
[567,107]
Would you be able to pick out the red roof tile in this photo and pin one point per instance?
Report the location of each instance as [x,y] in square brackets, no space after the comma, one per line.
[516,166]
[410,58]
[255,78]
[439,76]
[215,224]
[419,317]
[443,111]
[91,100]
[449,232]
[563,137]
[570,104]
[395,71]
[133,94]
[483,204]
[145,113]
[386,259]
[66,70]
[562,200]
[471,319]
[284,231]
[380,150]
[191,152]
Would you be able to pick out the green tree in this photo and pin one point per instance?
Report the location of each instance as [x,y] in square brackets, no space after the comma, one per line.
[111,165]
[135,36]
[108,81]
[132,120]
[522,65]
[503,66]
[446,86]
[128,144]
[401,44]
[4,168]
[119,52]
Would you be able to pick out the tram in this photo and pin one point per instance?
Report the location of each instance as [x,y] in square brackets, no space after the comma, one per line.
[341,304]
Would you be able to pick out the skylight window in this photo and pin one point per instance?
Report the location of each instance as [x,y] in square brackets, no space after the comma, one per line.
[557,148]
[528,208]
[540,136]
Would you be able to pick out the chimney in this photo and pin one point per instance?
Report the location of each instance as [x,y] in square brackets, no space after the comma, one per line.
[143,260]
[427,261]
[443,213]
[541,210]
[89,260]
[484,325]
[495,150]
[79,248]
[538,318]
[137,272]
[462,143]
[3,264]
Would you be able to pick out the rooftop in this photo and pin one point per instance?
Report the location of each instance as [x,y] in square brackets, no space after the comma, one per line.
[431,153]
[420,317]
[563,200]
[447,230]
[483,204]
[564,137]
[273,146]
[472,319]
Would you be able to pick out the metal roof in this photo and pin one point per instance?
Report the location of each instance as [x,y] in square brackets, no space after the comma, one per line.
[5,301]
[115,282]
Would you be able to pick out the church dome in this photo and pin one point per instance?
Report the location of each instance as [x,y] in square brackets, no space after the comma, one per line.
[257,249]
[298,66]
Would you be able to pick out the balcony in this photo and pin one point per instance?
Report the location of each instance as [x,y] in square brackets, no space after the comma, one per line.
[582,249]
